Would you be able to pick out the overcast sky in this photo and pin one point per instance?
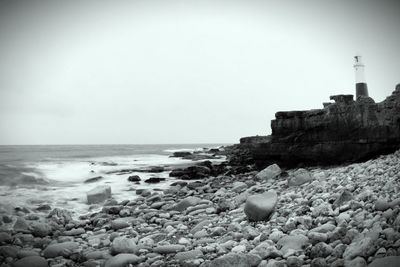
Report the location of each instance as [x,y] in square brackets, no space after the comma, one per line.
[134,72]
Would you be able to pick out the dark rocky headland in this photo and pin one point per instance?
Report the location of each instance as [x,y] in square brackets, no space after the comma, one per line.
[238,213]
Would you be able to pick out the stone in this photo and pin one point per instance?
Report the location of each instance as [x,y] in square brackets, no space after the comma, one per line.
[93,179]
[122,260]
[381,204]
[168,249]
[134,178]
[344,197]
[234,260]
[74,232]
[239,186]
[299,177]
[5,237]
[391,261]
[363,247]
[266,249]
[291,244]
[189,255]
[185,203]
[60,249]
[119,223]
[356,262]
[269,173]
[260,207]
[60,216]
[321,250]
[154,180]
[98,194]
[21,226]
[40,229]
[31,261]
[9,251]
[122,244]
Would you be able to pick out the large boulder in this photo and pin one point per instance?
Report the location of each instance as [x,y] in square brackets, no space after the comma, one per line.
[260,207]
[270,172]
[99,194]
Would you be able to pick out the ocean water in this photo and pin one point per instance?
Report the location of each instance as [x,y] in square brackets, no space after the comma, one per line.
[55,174]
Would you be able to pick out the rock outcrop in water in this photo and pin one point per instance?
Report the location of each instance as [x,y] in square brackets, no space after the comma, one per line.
[343,131]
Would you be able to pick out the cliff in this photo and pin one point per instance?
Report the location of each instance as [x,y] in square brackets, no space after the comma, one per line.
[343,131]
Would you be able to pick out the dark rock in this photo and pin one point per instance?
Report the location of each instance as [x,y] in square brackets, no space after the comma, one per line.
[9,251]
[344,131]
[93,179]
[156,169]
[43,207]
[181,154]
[134,178]
[154,180]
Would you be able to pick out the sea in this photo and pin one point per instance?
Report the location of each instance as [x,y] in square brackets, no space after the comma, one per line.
[55,175]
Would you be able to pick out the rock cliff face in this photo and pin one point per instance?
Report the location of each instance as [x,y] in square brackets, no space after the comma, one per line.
[343,131]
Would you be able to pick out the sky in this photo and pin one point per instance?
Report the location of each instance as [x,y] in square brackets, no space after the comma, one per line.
[149,72]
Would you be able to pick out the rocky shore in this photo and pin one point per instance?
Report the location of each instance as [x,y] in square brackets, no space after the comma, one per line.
[342,216]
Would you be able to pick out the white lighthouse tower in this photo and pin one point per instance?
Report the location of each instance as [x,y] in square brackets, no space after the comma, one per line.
[361,83]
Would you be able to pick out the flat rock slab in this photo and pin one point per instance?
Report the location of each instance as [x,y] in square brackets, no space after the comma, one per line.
[260,207]
[122,260]
[60,249]
[31,261]
[235,260]
[391,261]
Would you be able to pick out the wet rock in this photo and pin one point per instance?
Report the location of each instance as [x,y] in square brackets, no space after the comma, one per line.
[154,180]
[268,173]
[260,207]
[5,237]
[60,216]
[40,229]
[234,260]
[122,260]
[321,250]
[31,261]
[299,177]
[60,249]
[134,178]
[93,179]
[98,194]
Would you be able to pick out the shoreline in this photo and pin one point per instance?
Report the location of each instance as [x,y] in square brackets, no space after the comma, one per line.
[342,216]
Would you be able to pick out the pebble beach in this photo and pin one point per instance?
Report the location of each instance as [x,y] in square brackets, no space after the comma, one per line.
[346,215]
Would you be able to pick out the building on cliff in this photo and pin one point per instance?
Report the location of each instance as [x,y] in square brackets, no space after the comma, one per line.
[361,83]
[345,130]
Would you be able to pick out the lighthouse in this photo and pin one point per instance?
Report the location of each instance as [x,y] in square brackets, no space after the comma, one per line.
[361,84]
